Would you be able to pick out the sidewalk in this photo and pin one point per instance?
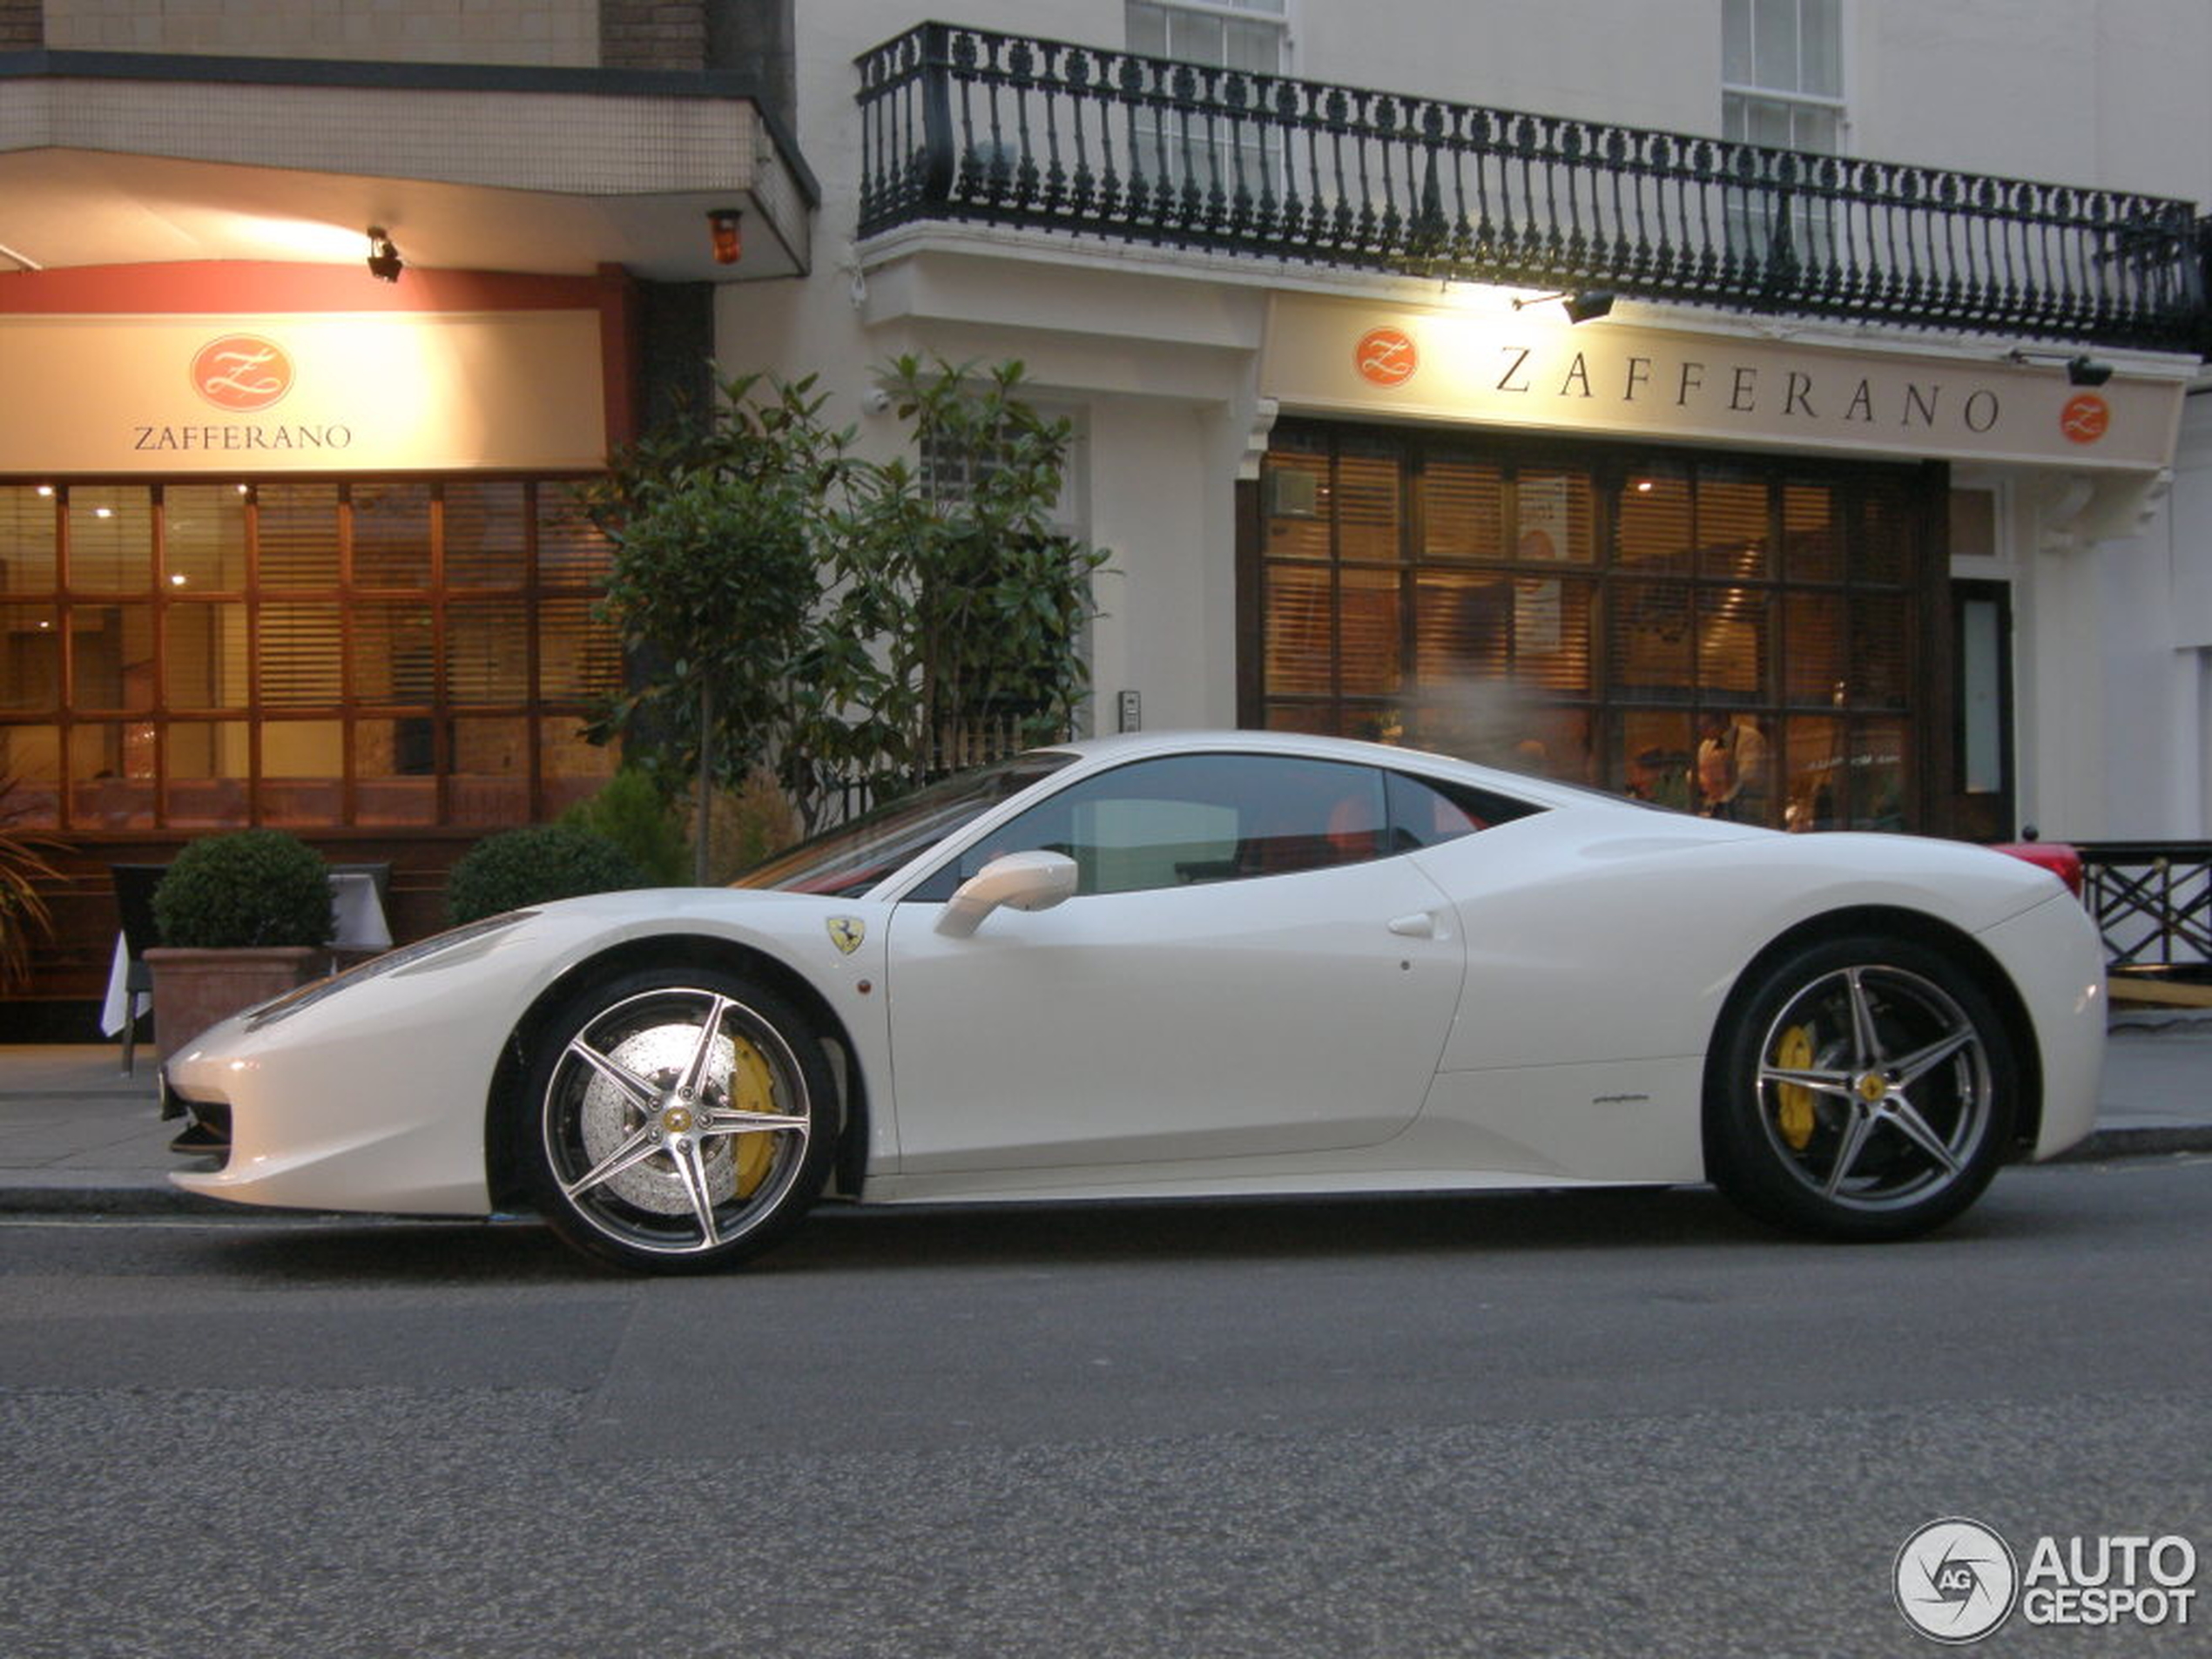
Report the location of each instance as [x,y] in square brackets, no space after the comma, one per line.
[76,1135]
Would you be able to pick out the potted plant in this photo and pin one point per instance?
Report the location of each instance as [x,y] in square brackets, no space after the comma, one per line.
[243,917]
[526,867]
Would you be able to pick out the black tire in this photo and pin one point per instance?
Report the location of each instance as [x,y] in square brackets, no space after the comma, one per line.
[676,1120]
[1866,1089]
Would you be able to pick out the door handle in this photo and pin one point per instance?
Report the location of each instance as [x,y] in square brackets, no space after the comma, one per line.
[1419,925]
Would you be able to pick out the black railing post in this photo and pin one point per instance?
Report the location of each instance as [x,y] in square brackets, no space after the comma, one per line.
[940,149]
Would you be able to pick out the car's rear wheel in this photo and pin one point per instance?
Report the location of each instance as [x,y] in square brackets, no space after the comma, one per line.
[677,1120]
[1866,1089]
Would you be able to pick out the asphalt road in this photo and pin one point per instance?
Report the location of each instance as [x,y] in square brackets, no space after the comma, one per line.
[1539,1425]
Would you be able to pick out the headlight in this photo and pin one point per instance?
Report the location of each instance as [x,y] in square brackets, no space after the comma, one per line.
[392,961]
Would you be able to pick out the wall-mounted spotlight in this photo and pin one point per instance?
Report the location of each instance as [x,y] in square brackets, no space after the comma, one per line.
[1586,306]
[723,224]
[384,261]
[2081,370]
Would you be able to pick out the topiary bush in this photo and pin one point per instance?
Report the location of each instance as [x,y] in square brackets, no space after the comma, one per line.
[630,810]
[519,867]
[250,887]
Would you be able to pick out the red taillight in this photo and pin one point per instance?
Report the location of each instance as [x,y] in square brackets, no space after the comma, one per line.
[2057,857]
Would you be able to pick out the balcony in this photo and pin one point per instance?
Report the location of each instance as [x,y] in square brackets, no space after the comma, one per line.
[963,124]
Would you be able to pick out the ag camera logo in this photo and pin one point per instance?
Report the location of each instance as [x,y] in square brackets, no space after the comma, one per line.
[1956,1580]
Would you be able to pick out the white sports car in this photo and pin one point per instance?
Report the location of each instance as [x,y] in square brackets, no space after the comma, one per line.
[1227,963]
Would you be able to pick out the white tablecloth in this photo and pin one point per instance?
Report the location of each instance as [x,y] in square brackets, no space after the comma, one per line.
[357,914]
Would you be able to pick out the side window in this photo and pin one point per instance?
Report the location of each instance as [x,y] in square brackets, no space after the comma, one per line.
[1426,811]
[1182,819]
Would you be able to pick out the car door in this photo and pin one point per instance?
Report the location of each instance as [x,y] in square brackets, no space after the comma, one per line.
[1242,973]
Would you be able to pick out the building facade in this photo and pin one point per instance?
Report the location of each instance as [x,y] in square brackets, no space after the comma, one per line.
[1781,409]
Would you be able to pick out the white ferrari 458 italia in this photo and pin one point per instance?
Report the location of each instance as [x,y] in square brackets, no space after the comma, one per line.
[1197,964]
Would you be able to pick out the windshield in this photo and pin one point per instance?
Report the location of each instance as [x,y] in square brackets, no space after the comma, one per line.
[845,862]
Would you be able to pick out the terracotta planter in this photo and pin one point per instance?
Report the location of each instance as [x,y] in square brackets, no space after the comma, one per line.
[193,989]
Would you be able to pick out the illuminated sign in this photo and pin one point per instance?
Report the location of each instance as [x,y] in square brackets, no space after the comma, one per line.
[1497,367]
[309,392]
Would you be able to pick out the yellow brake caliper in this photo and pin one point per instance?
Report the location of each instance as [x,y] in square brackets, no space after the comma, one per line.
[1793,1102]
[752,1089]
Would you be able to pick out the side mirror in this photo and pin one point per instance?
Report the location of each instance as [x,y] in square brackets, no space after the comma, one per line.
[1034,881]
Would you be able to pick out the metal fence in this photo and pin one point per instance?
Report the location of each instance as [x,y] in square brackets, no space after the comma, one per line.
[2151,901]
[966,124]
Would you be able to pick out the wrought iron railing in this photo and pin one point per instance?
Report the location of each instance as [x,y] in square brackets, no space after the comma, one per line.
[2151,901]
[964,124]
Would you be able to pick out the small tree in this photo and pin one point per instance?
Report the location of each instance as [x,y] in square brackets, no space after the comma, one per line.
[23,866]
[959,604]
[715,573]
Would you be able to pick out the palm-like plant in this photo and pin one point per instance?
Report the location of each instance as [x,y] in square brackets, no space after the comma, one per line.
[23,866]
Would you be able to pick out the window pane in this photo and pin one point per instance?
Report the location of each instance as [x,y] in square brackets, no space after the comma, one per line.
[1148,30]
[485,544]
[391,524]
[1820,48]
[1774,43]
[296,531]
[486,652]
[1366,506]
[1551,633]
[571,550]
[111,775]
[299,655]
[1737,63]
[32,755]
[111,538]
[30,670]
[204,773]
[1733,624]
[490,781]
[1462,510]
[1813,538]
[1371,631]
[1815,653]
[301,764]
[1653,759]
[203,539]
[26,538]
[579,658]
[1731,525]
[391,652]
[1981,696]
[1463,629]
[1878,780]
[1652,644]
[1552,518]
[1812,780]
[1881,650]
[204,657]
[1654,527]
[112,652]
[396,765]
[1300,640]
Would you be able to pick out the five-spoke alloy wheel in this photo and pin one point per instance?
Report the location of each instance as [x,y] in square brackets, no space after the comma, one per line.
[1865,1090]
[679,1120]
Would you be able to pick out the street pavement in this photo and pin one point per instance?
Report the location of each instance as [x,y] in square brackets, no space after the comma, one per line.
[78,1134]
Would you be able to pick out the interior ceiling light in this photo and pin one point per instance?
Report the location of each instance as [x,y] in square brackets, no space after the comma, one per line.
[2081,370]
[1586,306]
[724,225]
[384,261]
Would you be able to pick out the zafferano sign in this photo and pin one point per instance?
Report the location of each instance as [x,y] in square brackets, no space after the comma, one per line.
[296,393]
[1531,369]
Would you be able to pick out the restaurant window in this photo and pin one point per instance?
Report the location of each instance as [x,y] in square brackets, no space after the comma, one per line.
[1731,636]
[310,654]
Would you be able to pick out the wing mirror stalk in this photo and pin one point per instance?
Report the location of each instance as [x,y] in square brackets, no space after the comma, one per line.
[1034,881]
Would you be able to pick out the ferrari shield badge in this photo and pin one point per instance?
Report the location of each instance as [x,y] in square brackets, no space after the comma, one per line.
[846,933]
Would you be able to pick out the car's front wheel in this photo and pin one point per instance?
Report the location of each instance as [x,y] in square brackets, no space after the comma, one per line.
[677,1120]
[1866,1089]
